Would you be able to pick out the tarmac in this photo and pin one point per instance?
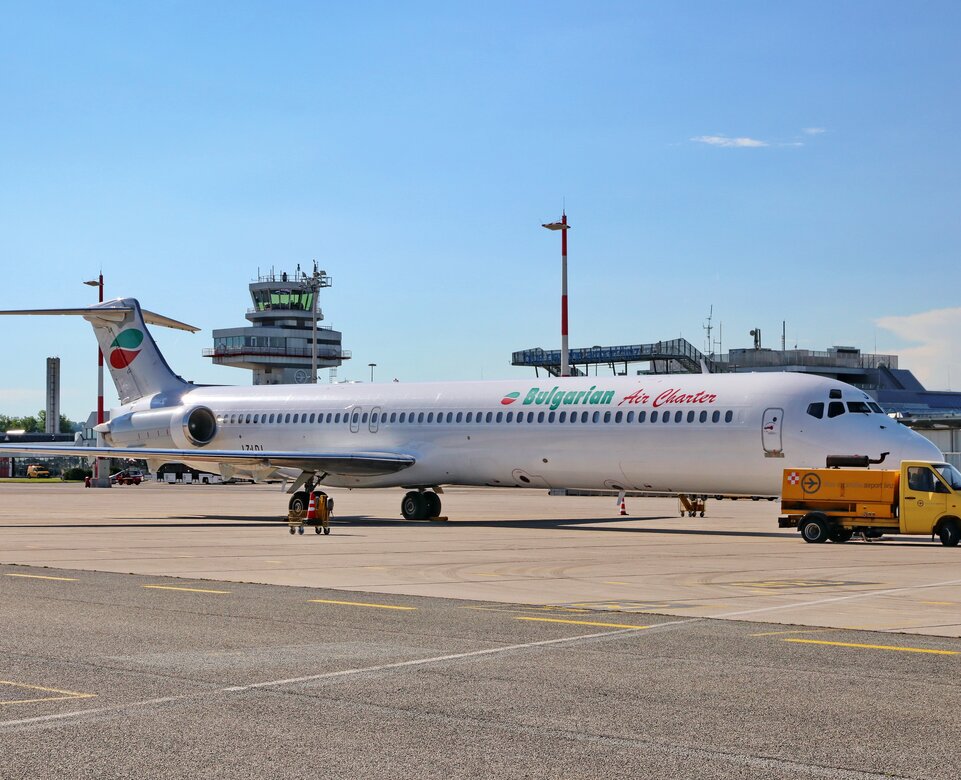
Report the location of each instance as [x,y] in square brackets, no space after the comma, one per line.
[510,546]
[181,632]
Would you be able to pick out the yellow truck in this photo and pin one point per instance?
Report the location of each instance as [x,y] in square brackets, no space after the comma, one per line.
[37,471]
[849,498]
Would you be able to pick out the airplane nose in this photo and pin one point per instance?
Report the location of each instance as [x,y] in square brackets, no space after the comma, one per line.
[920,448]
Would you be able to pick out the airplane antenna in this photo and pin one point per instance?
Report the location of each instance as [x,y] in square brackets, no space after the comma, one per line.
[709,327]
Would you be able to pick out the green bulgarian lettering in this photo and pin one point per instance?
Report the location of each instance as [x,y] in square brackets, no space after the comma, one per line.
[608,397]
[531,395]
[570,397]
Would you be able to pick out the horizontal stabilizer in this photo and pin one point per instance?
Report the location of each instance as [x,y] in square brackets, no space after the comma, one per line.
[116,314]
[348,464]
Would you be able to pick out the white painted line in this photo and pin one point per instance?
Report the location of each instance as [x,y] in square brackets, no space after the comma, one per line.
[442,658]
[833,599]
[95,711]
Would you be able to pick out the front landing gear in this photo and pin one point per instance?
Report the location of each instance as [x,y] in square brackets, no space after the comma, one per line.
[420,505]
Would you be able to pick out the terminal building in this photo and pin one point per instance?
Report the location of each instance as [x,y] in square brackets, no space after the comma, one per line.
[280,343]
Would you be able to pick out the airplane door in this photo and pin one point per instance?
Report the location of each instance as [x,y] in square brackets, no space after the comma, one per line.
[925,500]
[355,419]
[771,433]
[374,419]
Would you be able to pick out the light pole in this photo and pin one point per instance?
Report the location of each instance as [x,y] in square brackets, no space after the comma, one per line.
[312,284]
[98,283]
[563,227]
[372,367]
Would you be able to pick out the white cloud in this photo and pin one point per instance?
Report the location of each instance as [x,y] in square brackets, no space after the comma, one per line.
[723,140]
[813,130]
[933,359]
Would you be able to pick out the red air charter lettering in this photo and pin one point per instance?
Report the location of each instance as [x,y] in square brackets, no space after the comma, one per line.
[637,397]
[673,396]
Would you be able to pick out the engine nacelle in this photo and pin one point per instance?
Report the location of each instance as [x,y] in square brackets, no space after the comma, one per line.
[180,427]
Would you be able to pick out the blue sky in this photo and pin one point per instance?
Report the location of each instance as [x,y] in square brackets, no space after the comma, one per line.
[778,161]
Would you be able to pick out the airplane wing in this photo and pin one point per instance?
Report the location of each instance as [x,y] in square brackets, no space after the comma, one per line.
[350,464]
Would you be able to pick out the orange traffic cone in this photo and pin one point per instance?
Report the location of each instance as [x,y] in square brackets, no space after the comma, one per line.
[623,504]
[311,509]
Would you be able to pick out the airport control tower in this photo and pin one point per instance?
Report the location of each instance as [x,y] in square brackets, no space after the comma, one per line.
[283,344]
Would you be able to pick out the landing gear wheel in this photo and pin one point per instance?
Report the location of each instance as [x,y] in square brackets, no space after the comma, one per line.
[299,502]
[414,507]
[950,533]
[841,535]
[432,502]
[815,530]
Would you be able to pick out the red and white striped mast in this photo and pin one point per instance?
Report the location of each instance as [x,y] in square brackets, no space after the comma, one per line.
[565,351]
[98,461]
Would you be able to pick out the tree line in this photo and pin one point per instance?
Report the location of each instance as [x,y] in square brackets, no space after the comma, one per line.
[33,423]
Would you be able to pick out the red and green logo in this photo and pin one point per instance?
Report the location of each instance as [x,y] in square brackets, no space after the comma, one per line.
[508,399]
[125,348]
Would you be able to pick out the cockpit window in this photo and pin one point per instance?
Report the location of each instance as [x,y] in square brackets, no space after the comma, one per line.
[858,407]
[876,408]
[835,409]
[816,410]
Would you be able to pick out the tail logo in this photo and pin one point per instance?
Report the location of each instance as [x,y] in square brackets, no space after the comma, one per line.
[125,348]
[510,398]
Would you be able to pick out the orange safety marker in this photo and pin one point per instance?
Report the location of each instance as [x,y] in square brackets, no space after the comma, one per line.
[623,505]
[311,508]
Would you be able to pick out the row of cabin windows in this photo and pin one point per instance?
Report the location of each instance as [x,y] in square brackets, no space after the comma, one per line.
[836,408]
[384,418]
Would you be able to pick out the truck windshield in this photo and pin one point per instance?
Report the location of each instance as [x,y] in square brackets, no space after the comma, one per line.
[950,475]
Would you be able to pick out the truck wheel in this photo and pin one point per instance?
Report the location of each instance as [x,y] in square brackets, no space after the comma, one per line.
[841,535]
[815,530]
[950,533]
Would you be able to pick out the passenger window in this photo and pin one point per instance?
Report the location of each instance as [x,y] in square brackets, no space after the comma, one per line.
[716,417]
[248,419]
[702,417]
[362,419]
[373,418]
[256,419]
[618,417]
[596,417]
[420,417]
[728,416]
[296,417]
[641,416]
[540,417]
[469,417]
[584,417]
[678,416]
[630,417]
[287,418]
[500,416]
[607,417]
[551,416]
[835,409]
[816,410]
[329,416]
[562,417]
[510,417]
[653,416]
[530,417]
[314,417]
[666,417]
[490,417]
[690,417]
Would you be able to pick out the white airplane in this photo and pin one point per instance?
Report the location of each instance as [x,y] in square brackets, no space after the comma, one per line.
[697,434]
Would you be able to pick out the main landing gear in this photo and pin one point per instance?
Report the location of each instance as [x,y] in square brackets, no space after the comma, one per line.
[420,505]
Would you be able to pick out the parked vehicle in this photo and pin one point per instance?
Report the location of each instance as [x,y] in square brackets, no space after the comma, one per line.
[836,503]
[127,477]
[37,471]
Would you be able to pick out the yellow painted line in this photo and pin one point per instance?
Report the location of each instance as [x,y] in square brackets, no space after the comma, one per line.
[65,694]
[188,590]
[487,574]
[42,577]
[270,561]
[940,603]
[796,631]
[581,622]
[359,604]
[615,582]
[874,647]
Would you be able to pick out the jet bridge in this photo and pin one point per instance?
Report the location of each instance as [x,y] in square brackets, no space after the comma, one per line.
[665,357]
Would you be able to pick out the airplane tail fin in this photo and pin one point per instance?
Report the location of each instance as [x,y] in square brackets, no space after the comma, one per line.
[136,365]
